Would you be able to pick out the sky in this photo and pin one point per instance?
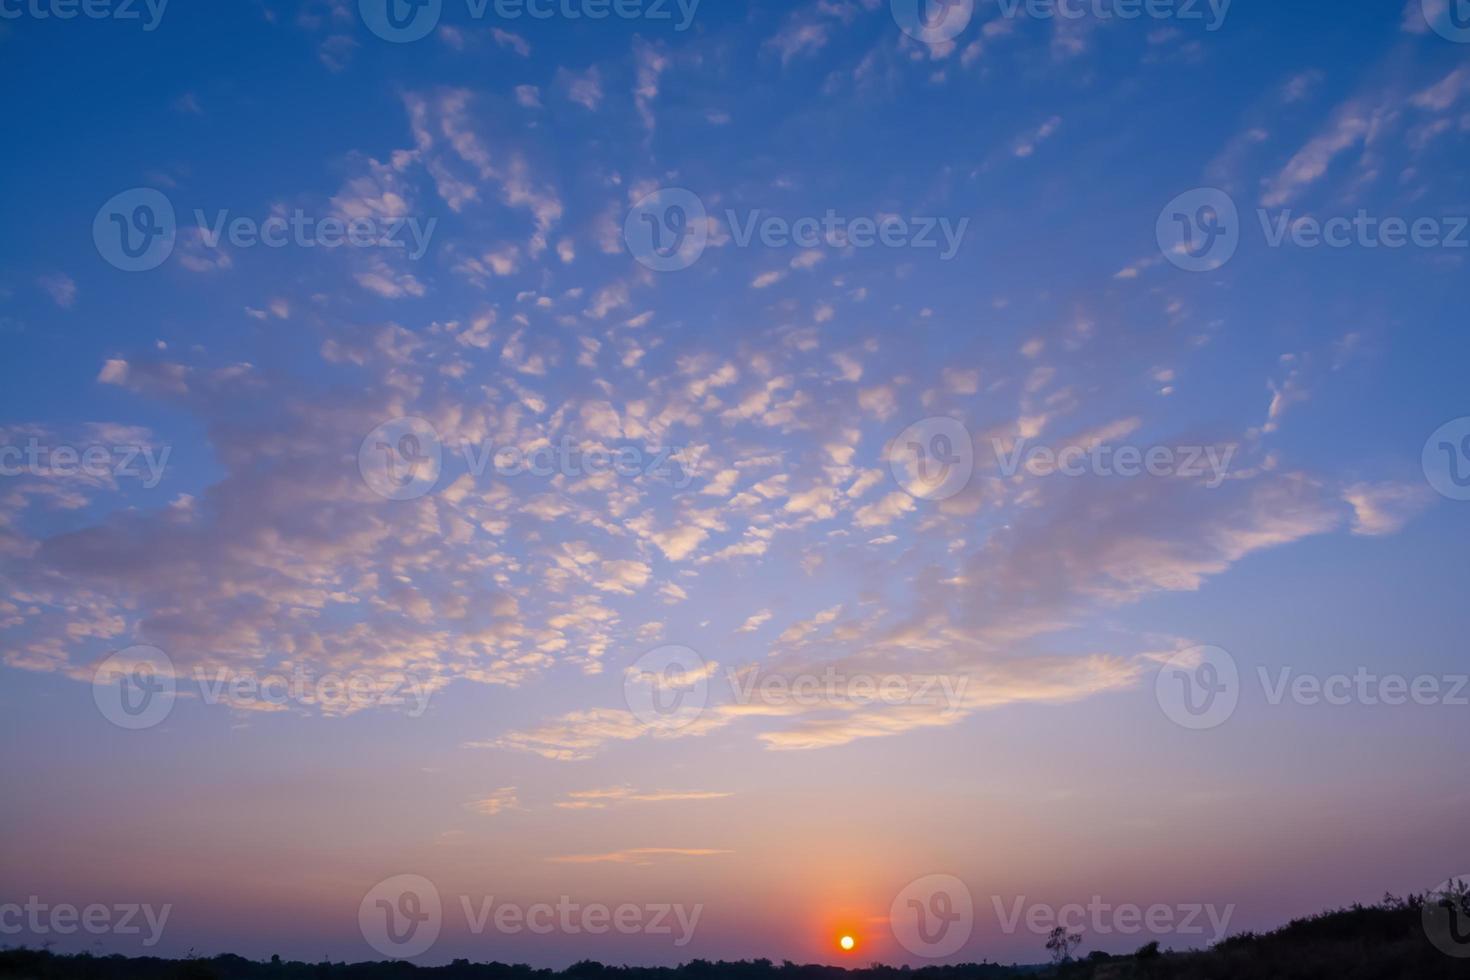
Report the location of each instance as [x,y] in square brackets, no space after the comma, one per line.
[708,479]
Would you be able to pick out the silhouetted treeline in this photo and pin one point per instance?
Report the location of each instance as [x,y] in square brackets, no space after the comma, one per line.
[1380,942]
[1386,941]
[24,964]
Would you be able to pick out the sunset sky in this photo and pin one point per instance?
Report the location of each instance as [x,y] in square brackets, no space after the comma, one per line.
[994,646]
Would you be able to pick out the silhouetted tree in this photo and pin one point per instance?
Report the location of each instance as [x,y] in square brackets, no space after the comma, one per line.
[1061,943]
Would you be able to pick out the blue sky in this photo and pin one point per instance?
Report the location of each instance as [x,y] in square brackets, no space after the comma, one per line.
[768,397]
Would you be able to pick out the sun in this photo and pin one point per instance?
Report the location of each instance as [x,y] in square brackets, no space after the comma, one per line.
[847,943]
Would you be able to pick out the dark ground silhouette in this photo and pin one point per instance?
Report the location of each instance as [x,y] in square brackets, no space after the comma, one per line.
[1387,941]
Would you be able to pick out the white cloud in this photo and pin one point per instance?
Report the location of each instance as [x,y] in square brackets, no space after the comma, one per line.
[61,288]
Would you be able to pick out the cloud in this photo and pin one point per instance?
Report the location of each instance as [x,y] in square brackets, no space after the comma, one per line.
[61,288]
[601,799]
[1384,508]
[639,855]
[497,802]
[885,511]
[755,621]
[578,735]
[584,89]
[516,43]
[880,401]
[450,148]
[1027,143]
[799,38]
[385,281]
[650,63]
[623,577]
[1052,680]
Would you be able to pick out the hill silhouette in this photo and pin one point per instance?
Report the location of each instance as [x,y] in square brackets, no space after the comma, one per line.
[1386,941]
